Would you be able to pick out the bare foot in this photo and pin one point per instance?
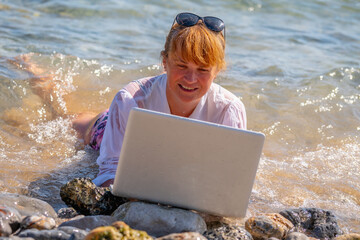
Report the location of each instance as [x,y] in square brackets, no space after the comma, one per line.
[41,80]
[26,63]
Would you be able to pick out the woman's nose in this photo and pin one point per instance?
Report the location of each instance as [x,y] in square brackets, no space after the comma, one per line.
[190,76]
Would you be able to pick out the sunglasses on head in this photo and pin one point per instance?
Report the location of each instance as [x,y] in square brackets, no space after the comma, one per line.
[189,19]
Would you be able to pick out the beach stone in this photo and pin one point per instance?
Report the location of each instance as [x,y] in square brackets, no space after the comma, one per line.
[350,236]
[75,233]
[10,216]
[159,220]
[53,234]
[38,222]
[5,229]
[268,225]
[27,206]
[223,231]
[89,222]
[88,199]
[317,223]
[81,194]
[117,231]
[16,238]
[296,236]
[67,213]
[108,203]
[183,236]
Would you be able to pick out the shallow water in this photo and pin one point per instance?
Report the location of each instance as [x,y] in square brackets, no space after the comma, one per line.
[294,65]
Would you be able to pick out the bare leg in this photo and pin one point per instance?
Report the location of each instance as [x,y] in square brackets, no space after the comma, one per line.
[42,83]
[83,124]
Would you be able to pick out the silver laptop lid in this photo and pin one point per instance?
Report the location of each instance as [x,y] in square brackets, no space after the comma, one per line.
[188,163]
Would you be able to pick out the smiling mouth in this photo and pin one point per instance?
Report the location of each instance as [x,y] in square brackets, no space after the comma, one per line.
[187,89]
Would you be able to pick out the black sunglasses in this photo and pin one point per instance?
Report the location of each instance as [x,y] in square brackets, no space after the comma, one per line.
[189,19]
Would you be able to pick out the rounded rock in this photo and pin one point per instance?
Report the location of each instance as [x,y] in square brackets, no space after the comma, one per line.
[38,222]
[5,229]
[89,222]
[268,225]
[183,236]
[118,230]
[11,216]
[159,220]
[27,206]
[296,236]
[227,232]
[53,234]
[316,222]
[350,236]
[67,213]
[81,194]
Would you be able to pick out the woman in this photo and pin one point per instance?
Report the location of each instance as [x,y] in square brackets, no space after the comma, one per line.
[194,54]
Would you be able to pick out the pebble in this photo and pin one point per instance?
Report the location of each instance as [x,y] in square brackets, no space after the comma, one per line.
[159,220]
[76,233]
[268,225]
[88,199]
[318,223]
[38,222]
[67,213]
[89,222]
[296,236]
[16,238]
[183,236]
[5,229]
[27,206]
[227,232]
[350,236]
[10,216]
[53,234]
[117,231]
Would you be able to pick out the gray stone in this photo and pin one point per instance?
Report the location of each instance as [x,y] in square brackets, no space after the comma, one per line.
[296,236]
[16,238]
[76,233]
[71,230]
[183,236]
[53,234]
[318,223]
[227,232]
[67,213]
[5,229]
[11,216]
[27,205]
[159,220]
[89,222]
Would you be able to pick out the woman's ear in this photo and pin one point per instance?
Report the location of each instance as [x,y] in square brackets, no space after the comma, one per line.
[164,63]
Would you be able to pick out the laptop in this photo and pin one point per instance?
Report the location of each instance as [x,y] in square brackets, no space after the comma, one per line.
[187,163]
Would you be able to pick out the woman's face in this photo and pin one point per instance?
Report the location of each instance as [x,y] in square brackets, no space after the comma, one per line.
[187,82]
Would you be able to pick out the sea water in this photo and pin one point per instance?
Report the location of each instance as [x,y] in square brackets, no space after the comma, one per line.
[294,64]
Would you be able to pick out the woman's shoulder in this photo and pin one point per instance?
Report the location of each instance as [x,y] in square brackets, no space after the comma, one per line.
[224,96]
[143,86]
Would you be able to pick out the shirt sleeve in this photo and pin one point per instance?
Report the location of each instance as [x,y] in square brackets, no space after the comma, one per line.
[235,115]
[113,136]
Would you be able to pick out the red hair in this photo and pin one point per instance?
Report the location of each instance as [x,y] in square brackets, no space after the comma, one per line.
[196,44]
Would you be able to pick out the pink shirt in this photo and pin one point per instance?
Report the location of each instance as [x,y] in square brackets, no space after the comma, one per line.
[218,105]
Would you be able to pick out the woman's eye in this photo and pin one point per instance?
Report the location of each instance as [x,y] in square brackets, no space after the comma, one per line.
[203,70]
[181,66]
